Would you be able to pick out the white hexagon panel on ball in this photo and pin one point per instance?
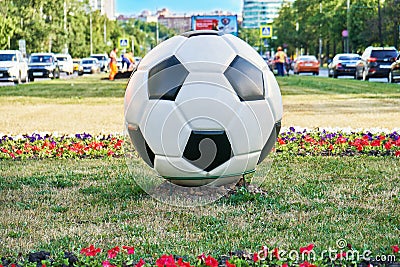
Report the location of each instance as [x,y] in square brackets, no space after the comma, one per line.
[202,107]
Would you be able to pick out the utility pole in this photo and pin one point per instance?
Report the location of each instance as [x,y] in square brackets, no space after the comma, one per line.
[380,23]
[91,32]
[320,35]
[348,27]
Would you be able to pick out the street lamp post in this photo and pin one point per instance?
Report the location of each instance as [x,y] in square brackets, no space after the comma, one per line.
[348,27]
[91,32]
[320,35]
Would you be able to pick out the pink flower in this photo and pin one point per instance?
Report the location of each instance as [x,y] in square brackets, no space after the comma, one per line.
[202,257]
[140,263]
[107,264]
[112,253]
[129,250]
[306,250]
[396,249]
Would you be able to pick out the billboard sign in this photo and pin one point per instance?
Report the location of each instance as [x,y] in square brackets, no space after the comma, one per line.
[226,24]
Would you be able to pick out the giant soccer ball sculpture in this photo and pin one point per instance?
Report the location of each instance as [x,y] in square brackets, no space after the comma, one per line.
[203,107]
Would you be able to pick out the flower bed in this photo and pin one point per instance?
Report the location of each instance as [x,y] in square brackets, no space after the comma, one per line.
[37,146]
[125,256]
[291,141]
[338,143]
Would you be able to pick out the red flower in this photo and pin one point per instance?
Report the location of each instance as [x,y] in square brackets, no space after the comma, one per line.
[285,265]
[388,145]
[306,264]
[275,252]
[229,264]
[129,250]
[90,251]
[13,265]
[396,249]
[341,140]
[306,250]
[112,253]
[382,137]
[43,265]
[181,263]
[211,262]
[140,263]
[110,153]
[255,257]
[281,141]
[167,261]
[107,264]
[397,153]
[341,255]
[376,143]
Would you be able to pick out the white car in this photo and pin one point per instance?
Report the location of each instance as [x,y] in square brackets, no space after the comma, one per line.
[13,67]
[65,63]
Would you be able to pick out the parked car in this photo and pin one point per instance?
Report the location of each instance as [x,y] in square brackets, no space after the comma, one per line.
[89,65]
[375,62]
[65,63]
[342,65]
[103,60]
[75,63]
[13,67]
[304,64]
[43,65]
[394,73]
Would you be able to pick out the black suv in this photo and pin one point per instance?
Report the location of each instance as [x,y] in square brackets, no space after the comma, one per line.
[43,65]
[375,63]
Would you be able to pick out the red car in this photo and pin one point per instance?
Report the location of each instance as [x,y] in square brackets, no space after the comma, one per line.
[304,64]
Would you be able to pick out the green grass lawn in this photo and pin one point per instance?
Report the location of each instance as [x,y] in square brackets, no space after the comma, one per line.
[68,204]
[100,86]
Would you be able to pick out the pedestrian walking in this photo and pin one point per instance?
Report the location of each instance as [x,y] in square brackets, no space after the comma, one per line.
[280,59]
[113,64]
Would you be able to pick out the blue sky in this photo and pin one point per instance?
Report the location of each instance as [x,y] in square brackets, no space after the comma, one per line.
[129,7]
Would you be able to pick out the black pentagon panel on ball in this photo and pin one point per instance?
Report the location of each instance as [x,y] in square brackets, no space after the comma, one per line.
[141,146]
[166,79]
[208,149]
[246,79]
[270,142]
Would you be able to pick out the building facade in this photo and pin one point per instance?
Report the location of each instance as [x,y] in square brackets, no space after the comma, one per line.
[259,12]
[106,7]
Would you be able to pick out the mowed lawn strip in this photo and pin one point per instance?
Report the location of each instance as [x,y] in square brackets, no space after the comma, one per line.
[94,104]
[59,205]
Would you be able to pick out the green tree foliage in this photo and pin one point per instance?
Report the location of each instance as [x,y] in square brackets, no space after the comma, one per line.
[326,19]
